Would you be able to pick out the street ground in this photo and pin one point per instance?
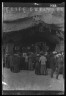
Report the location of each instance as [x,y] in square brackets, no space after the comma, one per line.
[28,80]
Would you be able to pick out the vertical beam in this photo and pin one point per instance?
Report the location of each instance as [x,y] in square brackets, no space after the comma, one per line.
[2,48]
[2,35]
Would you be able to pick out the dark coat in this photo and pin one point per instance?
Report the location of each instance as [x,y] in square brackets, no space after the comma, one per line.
[52,62]
[22,63]
[37,66]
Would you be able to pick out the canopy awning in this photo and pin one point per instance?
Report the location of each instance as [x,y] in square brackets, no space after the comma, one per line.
[16,26]
[46,17]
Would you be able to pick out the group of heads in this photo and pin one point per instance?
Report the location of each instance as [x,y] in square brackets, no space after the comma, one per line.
[42,53]
[58,54]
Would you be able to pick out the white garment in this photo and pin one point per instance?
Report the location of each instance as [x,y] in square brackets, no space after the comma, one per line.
[43,60]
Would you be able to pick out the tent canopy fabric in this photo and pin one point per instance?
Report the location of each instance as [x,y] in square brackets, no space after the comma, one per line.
[31,35]
[32,17]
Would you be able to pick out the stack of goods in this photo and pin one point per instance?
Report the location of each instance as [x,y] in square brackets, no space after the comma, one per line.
[15,63]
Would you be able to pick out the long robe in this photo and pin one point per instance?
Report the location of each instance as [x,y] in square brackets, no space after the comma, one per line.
[7,65]
[60,66]
[37,66]
[30,65]
[15,63]
[52,65]
[22,63]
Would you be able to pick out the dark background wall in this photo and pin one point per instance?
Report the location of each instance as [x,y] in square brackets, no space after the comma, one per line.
[30,36]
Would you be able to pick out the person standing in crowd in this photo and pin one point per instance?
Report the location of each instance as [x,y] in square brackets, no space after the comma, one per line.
[30,64]
[52,64]
[46,54]
[34,60]
[37,66]
[22,63]
[63,62]
[63,65]
[32,56]
[43,64]
[48,60]
[26,61]
[59,65]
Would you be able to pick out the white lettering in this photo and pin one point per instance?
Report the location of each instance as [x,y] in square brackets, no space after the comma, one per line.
[53,5]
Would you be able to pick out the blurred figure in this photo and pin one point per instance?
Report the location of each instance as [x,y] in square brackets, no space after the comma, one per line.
[30,63]
[26,61]
[22,62]
[52,64]
[37,66]
[63,66]
[24,54]
[37,49]
[48,61]
[47,64]
[59,65]
[43,64]
[34,60]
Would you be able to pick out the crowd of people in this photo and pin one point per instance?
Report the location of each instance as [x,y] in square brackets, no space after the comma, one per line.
[44,60]
[41,60]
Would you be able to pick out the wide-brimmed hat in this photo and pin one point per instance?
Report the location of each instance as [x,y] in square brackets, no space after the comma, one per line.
[57,55]
[54,52]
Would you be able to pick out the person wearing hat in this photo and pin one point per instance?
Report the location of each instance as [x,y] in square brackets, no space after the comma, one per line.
[60,65]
